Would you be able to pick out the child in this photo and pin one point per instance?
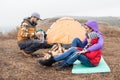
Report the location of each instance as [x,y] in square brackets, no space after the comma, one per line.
[92,38]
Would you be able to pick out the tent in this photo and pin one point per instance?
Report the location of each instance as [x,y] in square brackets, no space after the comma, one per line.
[64,30]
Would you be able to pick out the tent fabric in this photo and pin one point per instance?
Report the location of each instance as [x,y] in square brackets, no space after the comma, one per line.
[78,68]
[64,30]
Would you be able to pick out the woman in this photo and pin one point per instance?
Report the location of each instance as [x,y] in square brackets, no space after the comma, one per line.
[89,56]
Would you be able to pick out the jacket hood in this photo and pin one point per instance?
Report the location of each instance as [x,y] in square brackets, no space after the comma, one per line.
[92,24]
[27,20]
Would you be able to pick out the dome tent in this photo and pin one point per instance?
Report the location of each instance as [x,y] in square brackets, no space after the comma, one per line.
[64,30]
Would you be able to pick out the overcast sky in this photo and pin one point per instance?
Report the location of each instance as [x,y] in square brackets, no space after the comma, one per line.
[13,11]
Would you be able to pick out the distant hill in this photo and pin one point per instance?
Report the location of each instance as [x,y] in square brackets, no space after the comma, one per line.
[112,21]
[105,21]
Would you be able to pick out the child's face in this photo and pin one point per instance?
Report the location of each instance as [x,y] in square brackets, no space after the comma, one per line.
[87,29]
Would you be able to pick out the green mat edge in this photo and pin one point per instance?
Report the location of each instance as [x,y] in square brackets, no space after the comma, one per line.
[100,71]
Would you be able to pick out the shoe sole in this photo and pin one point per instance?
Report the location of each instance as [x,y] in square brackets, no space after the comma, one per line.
[25,54]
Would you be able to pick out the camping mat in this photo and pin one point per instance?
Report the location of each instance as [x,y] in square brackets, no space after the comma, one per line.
[78,68]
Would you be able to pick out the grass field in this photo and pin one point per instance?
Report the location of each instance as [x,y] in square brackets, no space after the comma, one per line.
[14,66]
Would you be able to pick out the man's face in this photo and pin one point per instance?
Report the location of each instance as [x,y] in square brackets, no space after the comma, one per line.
[34,19]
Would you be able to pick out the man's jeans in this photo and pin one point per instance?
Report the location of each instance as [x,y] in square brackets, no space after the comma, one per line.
[30,46]
[70,56]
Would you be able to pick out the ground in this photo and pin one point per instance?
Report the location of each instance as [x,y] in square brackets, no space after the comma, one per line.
[14,66]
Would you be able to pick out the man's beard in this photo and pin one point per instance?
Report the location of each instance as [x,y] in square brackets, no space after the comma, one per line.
[34,23]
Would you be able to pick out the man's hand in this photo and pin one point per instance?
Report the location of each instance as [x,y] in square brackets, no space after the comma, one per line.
[38,34]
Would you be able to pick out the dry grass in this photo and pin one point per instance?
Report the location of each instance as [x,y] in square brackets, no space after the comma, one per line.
[110,31]
[9,35]
[14,66]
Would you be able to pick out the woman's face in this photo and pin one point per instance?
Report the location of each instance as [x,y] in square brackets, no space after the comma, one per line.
[88,29]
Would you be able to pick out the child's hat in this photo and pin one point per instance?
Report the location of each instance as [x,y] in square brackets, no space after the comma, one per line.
[92,35]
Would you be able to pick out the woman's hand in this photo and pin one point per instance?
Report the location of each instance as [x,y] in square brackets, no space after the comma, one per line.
[78,53]
[81,52]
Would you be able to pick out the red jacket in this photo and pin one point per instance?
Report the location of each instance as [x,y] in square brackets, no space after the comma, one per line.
[93,56]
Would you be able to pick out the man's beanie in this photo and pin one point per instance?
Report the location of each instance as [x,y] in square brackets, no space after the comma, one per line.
[36,15]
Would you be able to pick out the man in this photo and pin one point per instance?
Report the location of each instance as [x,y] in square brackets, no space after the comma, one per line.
[27,37]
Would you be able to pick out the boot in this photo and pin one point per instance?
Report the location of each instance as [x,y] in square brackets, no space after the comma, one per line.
[61,67]
[46,45]
[25,54]
[61,63]
[47,62]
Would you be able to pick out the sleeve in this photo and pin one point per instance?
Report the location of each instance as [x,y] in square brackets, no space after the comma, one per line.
[85,42]
[98,45]
[79,48]
[24,31]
